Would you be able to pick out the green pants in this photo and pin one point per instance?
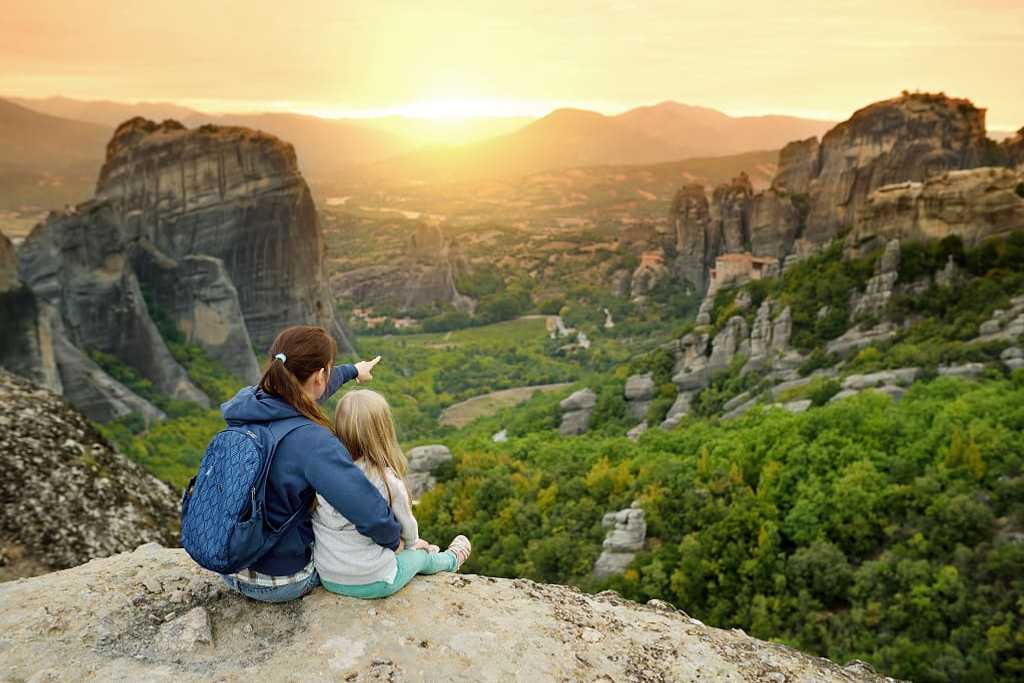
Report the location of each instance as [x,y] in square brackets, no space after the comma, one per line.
[410,563]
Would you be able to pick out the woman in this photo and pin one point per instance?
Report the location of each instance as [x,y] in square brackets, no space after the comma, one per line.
[309,460]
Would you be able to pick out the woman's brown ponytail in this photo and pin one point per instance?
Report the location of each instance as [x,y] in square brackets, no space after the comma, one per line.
[306,350]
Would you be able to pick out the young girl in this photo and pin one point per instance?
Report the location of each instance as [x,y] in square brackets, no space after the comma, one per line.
[348,562]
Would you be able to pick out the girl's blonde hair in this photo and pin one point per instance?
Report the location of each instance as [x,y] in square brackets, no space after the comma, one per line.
[364,424]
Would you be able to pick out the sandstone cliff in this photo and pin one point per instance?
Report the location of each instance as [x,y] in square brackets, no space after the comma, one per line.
[975,204]
[906,138]
[231,193]
[26,342]
[154,614]
[211,230]
[65,495]
[891,168]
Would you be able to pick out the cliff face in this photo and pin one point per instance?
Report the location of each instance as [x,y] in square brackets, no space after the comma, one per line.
[233,194]
[26,343]
[907,138]
[153,613]
[422,277]
[212,230]
[66,496]
[975,204]
[822,190]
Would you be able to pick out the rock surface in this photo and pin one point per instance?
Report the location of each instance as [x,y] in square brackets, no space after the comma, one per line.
[627,531]
[639,392]
[211,229]
[576,410]
[423,461]
[66,495]
[894,169]
[424,277]
[231,193]
[975,204]
[143,616]
[907,138]
[26,342]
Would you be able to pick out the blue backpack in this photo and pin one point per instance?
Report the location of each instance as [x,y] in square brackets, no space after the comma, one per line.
[223,527]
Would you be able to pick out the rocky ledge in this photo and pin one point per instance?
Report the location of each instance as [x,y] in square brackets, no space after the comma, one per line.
[154,615]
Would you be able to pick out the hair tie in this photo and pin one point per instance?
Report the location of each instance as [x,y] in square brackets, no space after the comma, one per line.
[281,357]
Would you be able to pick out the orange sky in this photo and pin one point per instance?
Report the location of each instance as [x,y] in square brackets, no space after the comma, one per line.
[339,57]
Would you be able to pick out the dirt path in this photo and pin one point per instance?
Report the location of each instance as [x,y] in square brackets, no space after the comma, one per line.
[461,414]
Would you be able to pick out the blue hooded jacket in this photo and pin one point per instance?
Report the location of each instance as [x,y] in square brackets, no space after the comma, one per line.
[310,460]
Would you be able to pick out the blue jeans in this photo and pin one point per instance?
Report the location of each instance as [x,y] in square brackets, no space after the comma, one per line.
[291,591]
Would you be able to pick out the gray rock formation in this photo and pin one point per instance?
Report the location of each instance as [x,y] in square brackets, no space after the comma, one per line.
[26,345]
[91,390]
[975,204]
[1005,323]
[212,230]
[80,264]
[634,433]
[855,339]
[107,620]
[647,276]
[680,408]
[231,193]
[1013,358]
[422,278]
[797,406]
[775,223]
[639,392]
[696,235]
[627,531]
[908,138]
[67,495]
[733,339]
[423,461]
[576,410]
[202,302]
[822,190]
[902,377]
[691,369]
[879,289]
[964,371]
[799,164]
[8,265]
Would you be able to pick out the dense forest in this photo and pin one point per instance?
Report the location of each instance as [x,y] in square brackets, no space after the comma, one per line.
[892,533]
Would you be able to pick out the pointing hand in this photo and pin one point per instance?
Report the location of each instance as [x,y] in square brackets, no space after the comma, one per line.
[365,369]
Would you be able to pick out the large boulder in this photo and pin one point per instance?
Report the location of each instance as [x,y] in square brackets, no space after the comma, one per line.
[639,392]
[627,530]
[67,495]
[153,614]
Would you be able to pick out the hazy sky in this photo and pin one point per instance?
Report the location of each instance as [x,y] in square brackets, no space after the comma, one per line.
[520,57]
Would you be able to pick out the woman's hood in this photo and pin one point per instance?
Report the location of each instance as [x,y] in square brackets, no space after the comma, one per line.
[252,404]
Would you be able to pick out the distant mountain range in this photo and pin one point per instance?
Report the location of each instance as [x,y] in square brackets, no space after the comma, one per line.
[566,137]
[40,142]
[574,137]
